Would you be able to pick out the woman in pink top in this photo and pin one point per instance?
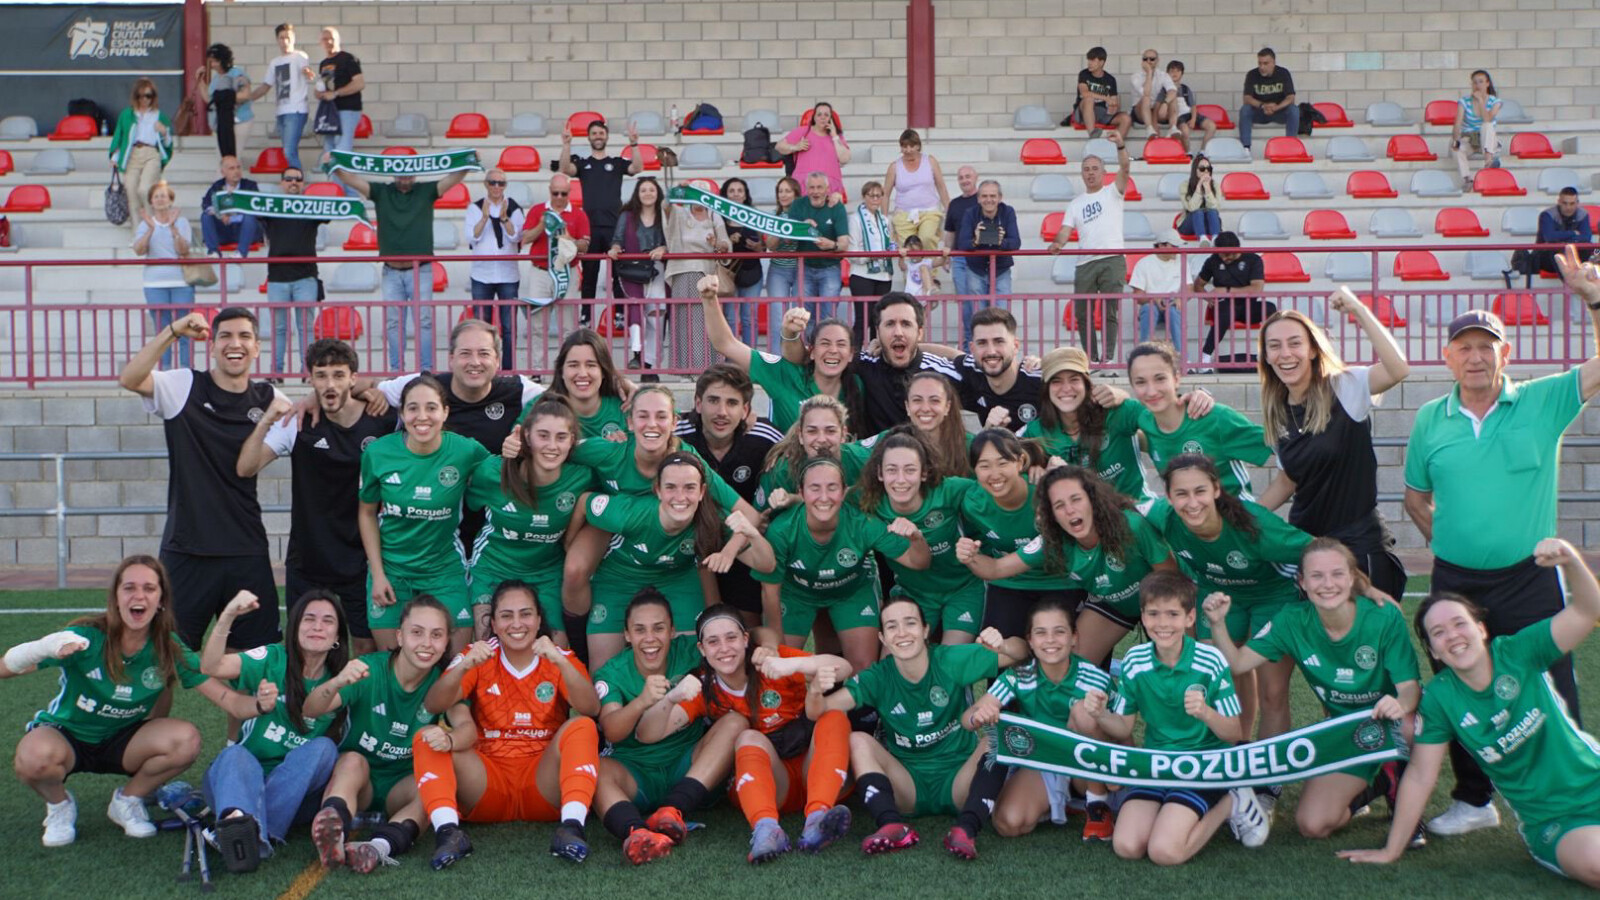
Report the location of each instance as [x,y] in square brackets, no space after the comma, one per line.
[819,146]
[919,198]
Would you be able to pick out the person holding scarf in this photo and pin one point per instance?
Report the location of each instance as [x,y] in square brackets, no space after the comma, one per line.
[870,231]
[691,228]
[492,226]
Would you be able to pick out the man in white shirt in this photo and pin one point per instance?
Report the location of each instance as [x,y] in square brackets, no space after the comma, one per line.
[493,226]
[288,77]
[1155,100]
[1154,281]
[1097,215]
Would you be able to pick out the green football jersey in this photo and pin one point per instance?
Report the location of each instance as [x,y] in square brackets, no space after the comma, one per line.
[269,738]
[787,386]
[619,681]
[1148,687]
[641,551]
[922,721]
[1250,570]
[939,520]
[1037,697]
[1349,674]
[419,501]
[852,459]
[518,539]
[1224,434]
[822,573]
[617,473]
[1000,531]
[609,419]
[1111,581]
[384,718]
[1117,460]
[1519,730]
[93,708]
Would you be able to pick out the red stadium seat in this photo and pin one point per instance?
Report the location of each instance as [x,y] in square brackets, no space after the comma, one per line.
[1215,113]
[468,125]
[1052,226]
[1177,220]
[1440,112]
[362,237]
[1165,151]
[455,198]
[75,128]
[1383,308]
[1409,148]
[1243,186]
[577,194]
[1327,225]
[324,189]
[1418,265]
[705,184]
[25,198]
[441,278]
[1132,194]
[399,151]
[1335,114]
[760,165]
[652,160]
[7,164]
[1458,221]
[1042,152]
[364,127]
[578,123]
[1285,149]
[1369,184]
[339,322]
[1497,183]
[271,161]
[1533,145]
[805,119]
[1519,309]
[1594,216]
[1133,260]
[1069,318]
[1284,267]
[520,158]
[233,247]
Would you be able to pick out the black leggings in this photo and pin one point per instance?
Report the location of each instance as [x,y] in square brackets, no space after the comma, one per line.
[1007,609]
[1231,311]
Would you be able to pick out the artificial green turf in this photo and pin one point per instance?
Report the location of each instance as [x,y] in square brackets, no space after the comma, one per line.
[512,860]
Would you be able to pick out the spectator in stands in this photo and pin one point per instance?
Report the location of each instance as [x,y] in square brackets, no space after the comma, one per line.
[601,177]
[290,282]
[494,225]
[163,233]
[230,111]
[991,226]
[747,273]
[576,237]
[922,272]
[1473,131]
[641,228]
[820,275]
[1155,97]
[967,182]
[872,276]
[917,193]
[1202,217]
[1155,281]
[289,78]
[228,228]
[1097,215]
[340,80]
[404,211]
[1239,278]
[819,146]
[141,147]
[1268,97]
[783,272]
[692,229]
[1564,223]
[1098,105]
[1189,117]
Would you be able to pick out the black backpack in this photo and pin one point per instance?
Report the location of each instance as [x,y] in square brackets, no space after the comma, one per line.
[83,106]
[1310,117]
[758,146]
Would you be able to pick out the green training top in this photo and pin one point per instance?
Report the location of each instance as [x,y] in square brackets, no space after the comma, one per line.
[1353,672]
[1118,459]
[1250,570]
[619,681]
[1109,581]
[938,518]
[1000,531]
[1039,698]
[819,574]
[269,738]
[93,708]
[419,501]
[787,386]
[852,459]
[641,551]
[1155,692]
[518,539]
[614,467]
[384,718]
[1224,434]
[921,722]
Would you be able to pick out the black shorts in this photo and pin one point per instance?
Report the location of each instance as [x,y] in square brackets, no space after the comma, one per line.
[1201,801]
[1102,112]
[104,758]
[1193,118]
[352,596]
[739,589]
[1007,609]
[1109,614]
[203,585]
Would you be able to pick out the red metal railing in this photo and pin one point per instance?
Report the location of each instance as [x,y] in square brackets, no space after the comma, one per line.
[47,339]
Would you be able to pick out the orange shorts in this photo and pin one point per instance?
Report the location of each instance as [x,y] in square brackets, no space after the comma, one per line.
[795,801]
[512,793]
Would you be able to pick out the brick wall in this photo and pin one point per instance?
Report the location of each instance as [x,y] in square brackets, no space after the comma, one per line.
[619,56]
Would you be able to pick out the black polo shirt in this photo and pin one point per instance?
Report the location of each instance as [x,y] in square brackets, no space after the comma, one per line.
[979,397]
[602,190]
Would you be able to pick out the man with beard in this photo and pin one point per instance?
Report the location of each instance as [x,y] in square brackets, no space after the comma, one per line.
[290,282]
[601,177]
[325,461]
[994,385]
[214,544]
[734,443]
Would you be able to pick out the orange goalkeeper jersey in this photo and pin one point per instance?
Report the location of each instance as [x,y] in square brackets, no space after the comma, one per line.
[779,702]
[517,713]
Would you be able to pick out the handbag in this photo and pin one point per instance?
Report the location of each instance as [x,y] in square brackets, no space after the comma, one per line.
[116,200]
[199,273]
[327,118]
[726,286]
[636,271]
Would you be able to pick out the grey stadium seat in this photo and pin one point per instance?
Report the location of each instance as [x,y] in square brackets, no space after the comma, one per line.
[1052,187]
[1171,187]
[648,121]
[1348,148]
[767,117]
[354,278]
[18,128]
[445,236]
[1135,227]
[1387,114]
[1348,268]
[763,192]
[1553,179]
[1102,148]
[527,125]
[1261,225]
[1306,186]
[407,125]
[1582,144]
[1512,113]
[1064,270]
[521,192]
[1032,118]
[1226,150]
[1520,221]
[1393,223]
[700,156]
[1485,265]
[234,274]
[1434,183]
[322,237]
[54,161]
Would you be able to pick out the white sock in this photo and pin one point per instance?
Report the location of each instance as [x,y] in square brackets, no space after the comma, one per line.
[1205,357]
[1095,797]
[443,816]
[66,802]
[381,845]
[573,811]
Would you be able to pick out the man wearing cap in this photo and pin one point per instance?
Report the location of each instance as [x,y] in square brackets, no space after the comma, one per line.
[1154,281]
[1490,452]
[1097,215]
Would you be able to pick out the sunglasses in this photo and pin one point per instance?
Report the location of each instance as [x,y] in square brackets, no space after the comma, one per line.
[559,193]
[1151,58]
[493,183]
[291,178]
[1203,169]
[146,95]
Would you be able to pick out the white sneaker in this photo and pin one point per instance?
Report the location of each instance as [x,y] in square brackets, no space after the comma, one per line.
[1248,820]
[129,812]
[1462,817]
[61,822]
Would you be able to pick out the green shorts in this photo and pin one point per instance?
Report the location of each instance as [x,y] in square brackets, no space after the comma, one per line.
[383,781]
[546,584]
[1243,621]
[654,781]
[1544,837]
[858,609]
[449,588]
[935,780]
[961,610]
[612,593]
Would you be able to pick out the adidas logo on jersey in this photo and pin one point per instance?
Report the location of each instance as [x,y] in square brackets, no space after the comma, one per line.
[965,617]
[509,507]
[1311,661]
[392,478]
[95,675]
[1468,720]
[642,548]
[991,535]
[321,444]
[494,689]
[797,564]
[380,710]
[868,612]
[899,710]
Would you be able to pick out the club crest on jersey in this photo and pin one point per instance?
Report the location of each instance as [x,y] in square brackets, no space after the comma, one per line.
[770,699]
[686,546]
[566,501]
[545,692]
[449,476]
[1506,687]
[1366,657]
[741,474]
[495,411]
[151,678]
[1027,412]
[598,503]
[933,519]
[1237,560]
[938,696]
[597,615]
[847,557]
[1192,447]
[255,413]
[367,442]
[610,428]
[1115,564]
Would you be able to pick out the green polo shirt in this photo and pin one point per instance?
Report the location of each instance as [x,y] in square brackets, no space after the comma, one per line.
[1504,470]
[405,218]
[832,223]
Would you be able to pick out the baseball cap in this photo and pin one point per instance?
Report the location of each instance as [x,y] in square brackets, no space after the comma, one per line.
[1170,236]
[1482,320]
[1063,359]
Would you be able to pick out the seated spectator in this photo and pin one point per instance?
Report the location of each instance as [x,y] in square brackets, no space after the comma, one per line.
[1202,216]
[1239,278]
[991,225]
[229,228]
[872,276]
[1268,97]
[820,147]
[917,193]
[1155,97]
[493,225]
[290,282]
[1474,129]
[747,274]
[1189,117]
[163,233]
[1155,281]
[1564,223]
[1098,106]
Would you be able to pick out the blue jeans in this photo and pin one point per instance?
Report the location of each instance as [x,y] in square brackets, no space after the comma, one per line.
[1151,316]
[506,315]
[1206,223]
[781,287]
[397,285]
[169,304]
[978,283]
[241,230]
[287,797]
[961,283]
[345,139]
[821,282]
[301,291]
[1252,115]
[290,127]
[743,316]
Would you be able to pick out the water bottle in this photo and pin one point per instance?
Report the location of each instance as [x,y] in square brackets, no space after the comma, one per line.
[104,129]
[674,117]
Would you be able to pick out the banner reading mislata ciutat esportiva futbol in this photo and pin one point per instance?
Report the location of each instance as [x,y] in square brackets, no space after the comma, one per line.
[289,206]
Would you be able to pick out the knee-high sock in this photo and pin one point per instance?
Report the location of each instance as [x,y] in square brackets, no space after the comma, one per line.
[580,763]
[877,794]
[436,777]
[754,784]
[830,761]
[981,794]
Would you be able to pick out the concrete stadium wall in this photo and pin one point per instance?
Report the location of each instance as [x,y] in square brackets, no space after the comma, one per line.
[620,56]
